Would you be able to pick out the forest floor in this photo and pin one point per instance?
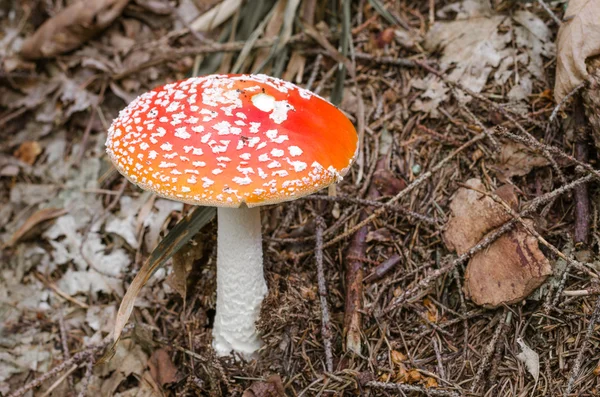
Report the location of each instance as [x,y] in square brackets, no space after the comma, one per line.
[459,253]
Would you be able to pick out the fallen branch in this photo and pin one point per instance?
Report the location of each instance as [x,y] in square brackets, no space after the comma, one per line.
[403,387]
[326,322]
[582,196]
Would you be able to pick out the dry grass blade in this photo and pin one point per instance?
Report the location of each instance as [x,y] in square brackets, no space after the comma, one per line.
[36,218]
[216,16]
[183,232]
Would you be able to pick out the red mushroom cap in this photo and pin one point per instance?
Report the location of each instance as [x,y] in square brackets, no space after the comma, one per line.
[223,140]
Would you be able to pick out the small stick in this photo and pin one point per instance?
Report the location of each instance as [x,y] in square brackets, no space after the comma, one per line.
[326,323]
[314,72]
[490,349]
[549,12]
[403,387]
[373,203]
[74,360]
[86,378]
[355,277]
[438,357]
[577,364]
[582,197]
[383,268]
[562,102]
[551,149]
[64,338]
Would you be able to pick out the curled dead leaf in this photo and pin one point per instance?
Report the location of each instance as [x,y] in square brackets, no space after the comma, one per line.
[507,271]
[578,39]
[72,27]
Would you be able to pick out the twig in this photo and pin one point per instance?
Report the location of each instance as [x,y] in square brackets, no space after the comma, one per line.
[582,197]
[549,12]
[373,203]
[382,269]
[74,360]
[86,378]
[562,102]
[490,349]
[314,72]
[403,387]
[538,145]
[59,381]
[438,356]
[354,277]
[64,339]
[385,60]
[326,322]
[577,364]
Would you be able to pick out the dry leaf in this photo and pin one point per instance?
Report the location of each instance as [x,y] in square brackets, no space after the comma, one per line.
[473,45]
[72,27]
[272,387]
[432,310]
[507,271]
[28,152]
[387,183]
[578,39]
[516,159]
[474,215]
[413,376]
[35,219]
[161,366]
[530,358]
[431,382]
[398,357]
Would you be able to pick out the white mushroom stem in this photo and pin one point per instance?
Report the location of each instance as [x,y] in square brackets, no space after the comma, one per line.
[241,285]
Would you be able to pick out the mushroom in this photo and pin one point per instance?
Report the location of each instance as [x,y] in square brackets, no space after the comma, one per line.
[235,142]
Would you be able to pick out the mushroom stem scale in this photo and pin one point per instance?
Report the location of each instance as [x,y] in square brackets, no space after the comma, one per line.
[241,285]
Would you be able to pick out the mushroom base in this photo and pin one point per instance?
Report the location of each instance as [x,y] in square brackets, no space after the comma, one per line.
[241,286]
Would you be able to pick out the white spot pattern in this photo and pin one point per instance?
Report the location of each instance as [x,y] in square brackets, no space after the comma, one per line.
[148,140]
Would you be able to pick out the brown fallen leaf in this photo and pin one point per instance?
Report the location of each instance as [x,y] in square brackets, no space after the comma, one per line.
[387,183]
[382,235]
[578,39]
[507,271]
[272,387]
[161,366]
[72,27]
[35,219]
[28,152]
[516,159]
[474,215]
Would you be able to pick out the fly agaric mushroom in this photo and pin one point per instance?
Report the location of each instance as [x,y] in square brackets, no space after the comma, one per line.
[235,142]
